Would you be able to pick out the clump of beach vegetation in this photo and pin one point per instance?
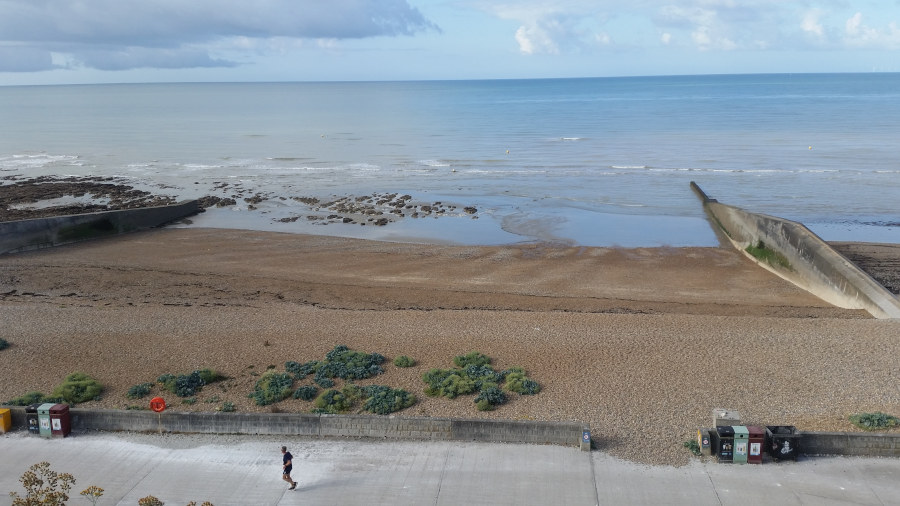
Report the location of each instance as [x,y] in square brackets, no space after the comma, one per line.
[473,374]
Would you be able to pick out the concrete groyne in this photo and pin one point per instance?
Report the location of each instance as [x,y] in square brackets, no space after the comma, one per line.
[804,258]
[24,235]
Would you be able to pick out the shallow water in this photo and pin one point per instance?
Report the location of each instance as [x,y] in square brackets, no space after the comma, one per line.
[582,161]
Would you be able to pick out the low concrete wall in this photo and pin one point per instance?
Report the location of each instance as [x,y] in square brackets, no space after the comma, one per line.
[814,265]
[880,444]
[390,427]
[24,235]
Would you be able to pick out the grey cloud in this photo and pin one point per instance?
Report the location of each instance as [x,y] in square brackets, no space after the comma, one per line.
[143,57]
[166,33]
[24,59]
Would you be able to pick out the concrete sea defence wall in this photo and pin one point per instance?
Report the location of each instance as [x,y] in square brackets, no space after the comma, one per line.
[880,444]
[811,263]
[320,425]
[24,235]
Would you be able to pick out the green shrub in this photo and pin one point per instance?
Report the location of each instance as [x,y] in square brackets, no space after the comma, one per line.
[875,421]
[433,379]
[693,446]
[78,387]
[483,375]
[476,375]
[272,387]
[519,383]
[404,361]
[227,407]
[306,392]
[187,385]
[4,344]
[449,383]
[471,358]
[383,400]
[489,398]
[324,382]
[333,401]
[347,364]
[189,401]
[299,370]
[139,391]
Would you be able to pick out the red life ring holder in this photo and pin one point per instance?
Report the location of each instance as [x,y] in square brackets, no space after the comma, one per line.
[158,404]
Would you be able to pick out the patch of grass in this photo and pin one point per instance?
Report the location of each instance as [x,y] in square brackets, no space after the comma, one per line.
[333,401]
[875,421]
[471,358]
[227,407]
[765,254]
[404,361]
[78,387]
[139,391]
[518,382]
[189,401]
[31,398]
[272,387]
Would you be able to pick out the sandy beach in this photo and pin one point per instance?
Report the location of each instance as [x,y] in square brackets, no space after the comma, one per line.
[641,344]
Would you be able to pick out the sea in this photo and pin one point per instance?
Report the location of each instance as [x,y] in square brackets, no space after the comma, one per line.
[590,162]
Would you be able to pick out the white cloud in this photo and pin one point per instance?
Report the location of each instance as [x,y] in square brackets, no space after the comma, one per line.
[120,34]
[550,28]
[708,31]
[705,25]
[858,34]
[811,23]
[533,39]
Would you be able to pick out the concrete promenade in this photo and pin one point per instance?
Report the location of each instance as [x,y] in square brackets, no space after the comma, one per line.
[245,470]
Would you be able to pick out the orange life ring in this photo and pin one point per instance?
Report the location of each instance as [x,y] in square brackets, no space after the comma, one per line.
[158,404]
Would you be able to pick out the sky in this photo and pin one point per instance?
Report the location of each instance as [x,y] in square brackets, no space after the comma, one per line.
[113,41]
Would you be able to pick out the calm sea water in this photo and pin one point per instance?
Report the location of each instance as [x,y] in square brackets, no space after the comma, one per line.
[590,161]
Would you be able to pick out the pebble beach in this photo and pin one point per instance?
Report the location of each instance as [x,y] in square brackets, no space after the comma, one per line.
[640,344]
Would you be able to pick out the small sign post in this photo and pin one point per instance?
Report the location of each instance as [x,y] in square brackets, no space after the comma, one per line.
[158,404]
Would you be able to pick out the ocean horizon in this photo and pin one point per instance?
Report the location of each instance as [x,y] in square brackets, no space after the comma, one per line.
[584,161]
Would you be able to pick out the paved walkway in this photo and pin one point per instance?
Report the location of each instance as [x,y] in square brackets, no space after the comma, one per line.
[245,470]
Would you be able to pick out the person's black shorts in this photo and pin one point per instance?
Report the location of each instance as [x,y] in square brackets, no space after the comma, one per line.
[287,470]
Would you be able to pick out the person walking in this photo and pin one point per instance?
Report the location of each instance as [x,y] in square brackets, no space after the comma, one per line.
[286,468]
